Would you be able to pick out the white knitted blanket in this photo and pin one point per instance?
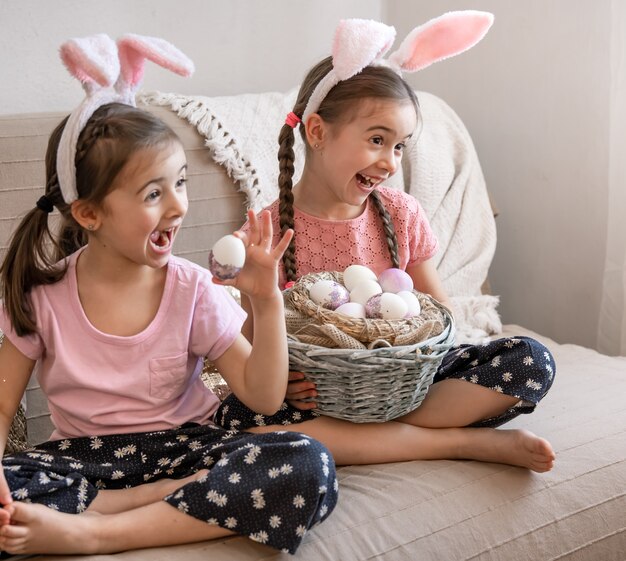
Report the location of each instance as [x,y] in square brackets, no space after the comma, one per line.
[441,169]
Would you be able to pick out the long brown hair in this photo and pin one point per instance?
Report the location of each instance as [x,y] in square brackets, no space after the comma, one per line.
[373,82]
[110,137]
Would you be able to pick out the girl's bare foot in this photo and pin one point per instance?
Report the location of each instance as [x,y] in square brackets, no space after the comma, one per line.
[36,528]
[516,447]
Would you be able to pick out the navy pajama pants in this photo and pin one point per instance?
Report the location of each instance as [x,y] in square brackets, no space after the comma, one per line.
[517,366]
[270,487]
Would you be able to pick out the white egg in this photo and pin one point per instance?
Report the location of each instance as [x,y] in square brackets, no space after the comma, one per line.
[354,274]
[352,309]
[364,290]
[412,302]
[329,294]
[386,306]
[227,257]
[394,280]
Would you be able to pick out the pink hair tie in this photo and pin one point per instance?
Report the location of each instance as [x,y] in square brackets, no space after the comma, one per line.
[292,120]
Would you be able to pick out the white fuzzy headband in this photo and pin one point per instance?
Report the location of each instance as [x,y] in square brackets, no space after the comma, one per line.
[108,72]
[359,43]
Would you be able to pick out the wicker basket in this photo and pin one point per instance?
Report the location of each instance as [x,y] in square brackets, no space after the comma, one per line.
[378,381]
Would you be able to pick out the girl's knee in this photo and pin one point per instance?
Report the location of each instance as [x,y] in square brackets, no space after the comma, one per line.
[540,361]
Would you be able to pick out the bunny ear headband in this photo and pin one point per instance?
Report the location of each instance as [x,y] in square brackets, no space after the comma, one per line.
[108,72]
[359,43]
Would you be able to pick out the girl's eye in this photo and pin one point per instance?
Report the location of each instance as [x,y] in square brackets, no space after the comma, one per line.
[153,195]
[377,140]
[400,147]
[181,182]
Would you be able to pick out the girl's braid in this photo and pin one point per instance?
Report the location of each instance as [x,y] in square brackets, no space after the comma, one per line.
[286,159]
[91,133]
[390,230]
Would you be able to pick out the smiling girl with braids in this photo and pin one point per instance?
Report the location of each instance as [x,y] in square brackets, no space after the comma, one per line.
[356,115]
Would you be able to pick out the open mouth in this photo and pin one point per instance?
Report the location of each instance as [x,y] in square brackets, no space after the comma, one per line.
[366,181]
[162,239]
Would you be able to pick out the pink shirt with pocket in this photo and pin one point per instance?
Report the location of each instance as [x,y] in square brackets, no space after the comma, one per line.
[98,383]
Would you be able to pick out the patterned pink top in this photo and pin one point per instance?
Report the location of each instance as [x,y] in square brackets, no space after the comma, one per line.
[333,245]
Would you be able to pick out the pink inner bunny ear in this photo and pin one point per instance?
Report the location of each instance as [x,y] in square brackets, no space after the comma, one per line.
[135,49]
[441,38]
[358,43]
[93,60]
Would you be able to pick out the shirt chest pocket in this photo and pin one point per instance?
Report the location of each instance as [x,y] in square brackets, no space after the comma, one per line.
[168,376]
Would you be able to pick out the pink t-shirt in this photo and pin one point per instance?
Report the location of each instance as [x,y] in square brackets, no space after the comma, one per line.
[333,245]
[98,383]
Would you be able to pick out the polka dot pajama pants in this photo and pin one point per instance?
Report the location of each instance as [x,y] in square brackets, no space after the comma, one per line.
[269,487]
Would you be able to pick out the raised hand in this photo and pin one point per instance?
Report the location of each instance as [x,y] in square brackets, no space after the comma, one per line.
[258,278]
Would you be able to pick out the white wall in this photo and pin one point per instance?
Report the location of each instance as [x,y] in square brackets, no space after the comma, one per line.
[535,95]
[538,96]
[238,45]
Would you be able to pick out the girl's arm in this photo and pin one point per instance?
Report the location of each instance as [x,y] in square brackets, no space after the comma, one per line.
[426,279]
[248,325]
[15,371]
[257,372]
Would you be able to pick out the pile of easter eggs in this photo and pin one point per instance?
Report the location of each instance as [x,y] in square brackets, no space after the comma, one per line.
[364,295]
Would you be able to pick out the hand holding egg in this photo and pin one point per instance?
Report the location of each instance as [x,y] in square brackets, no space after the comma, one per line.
[247,260]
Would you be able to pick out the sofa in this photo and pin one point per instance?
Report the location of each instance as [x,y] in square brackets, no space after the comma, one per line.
[426,510]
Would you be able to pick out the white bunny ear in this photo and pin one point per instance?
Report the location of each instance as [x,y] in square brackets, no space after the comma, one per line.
[441,38]
[358,43]
[93,60]
[135,49]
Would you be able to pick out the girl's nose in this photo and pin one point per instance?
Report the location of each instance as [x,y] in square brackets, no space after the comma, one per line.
[389,162]
[178,203]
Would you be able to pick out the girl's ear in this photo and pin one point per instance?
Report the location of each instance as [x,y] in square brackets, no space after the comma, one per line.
[86,215]
[316,130]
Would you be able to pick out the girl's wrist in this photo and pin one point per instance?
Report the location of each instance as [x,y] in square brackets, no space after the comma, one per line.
[269,301]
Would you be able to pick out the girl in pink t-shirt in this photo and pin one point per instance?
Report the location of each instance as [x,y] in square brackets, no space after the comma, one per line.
[356,114]
[116,329]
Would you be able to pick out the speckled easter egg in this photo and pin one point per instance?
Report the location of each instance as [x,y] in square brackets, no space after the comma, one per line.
[386,306]
[355,274]
[352,309]
[227,257]
[329,294]
[395,280]
[363,291]
[412,302]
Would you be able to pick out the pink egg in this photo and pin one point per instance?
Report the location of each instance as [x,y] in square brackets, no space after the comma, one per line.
[394,280]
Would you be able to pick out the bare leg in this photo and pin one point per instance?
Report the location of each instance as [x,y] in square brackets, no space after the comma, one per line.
[38,529]
[456,403]
[110,501]
[372,443]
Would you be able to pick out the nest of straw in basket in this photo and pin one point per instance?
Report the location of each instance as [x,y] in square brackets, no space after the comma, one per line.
[310,323]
